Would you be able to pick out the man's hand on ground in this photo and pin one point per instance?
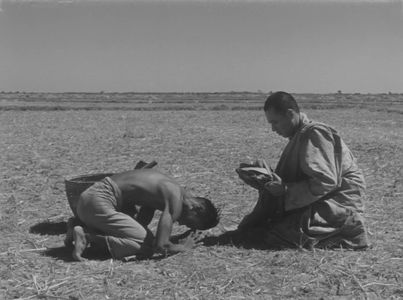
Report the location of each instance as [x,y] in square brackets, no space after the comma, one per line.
[194,239]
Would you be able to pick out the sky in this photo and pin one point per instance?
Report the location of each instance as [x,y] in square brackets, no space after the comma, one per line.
[298,46]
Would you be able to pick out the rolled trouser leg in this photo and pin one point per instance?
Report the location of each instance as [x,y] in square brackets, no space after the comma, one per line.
[126,237]
[98,209]
[123,235]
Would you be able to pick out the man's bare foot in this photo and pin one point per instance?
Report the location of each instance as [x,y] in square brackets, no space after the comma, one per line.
[80,243]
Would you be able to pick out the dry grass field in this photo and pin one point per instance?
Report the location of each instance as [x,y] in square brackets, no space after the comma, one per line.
[199,140]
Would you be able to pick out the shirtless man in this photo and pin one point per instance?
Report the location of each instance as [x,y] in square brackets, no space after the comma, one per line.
[106,208]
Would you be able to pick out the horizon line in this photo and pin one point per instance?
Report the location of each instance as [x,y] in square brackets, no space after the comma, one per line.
[209,1]
[197,92]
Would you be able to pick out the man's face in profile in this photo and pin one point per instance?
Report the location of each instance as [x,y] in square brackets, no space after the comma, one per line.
[282,124]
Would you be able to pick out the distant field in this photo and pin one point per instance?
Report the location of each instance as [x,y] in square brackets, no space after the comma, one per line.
[199,141]
[188,101]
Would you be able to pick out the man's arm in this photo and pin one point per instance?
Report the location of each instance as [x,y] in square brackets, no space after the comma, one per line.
[163,244]
[145,215]
[171,212]
[319,162]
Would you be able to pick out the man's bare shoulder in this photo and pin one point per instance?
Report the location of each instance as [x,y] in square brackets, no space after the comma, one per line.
[151,180]
[144,174]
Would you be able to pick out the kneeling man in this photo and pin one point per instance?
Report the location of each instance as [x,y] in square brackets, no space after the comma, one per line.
[315,196]
[106,208]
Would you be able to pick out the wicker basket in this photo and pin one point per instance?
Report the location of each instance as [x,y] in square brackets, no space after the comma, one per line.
[76,185]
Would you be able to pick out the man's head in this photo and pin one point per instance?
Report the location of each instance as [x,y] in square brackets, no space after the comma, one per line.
[199,213]
[282,113]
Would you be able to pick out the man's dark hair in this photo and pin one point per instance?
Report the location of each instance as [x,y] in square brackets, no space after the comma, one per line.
[211,214]
[281,102]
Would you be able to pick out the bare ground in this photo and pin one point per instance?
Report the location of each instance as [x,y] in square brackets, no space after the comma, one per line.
[39,149]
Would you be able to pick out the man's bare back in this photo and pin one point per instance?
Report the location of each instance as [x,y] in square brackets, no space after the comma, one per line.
[148,188]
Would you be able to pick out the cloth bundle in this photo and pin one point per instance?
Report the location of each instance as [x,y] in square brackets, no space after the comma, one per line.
[255,175]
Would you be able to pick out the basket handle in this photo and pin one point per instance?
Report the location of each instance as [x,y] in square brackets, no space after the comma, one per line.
[144,165]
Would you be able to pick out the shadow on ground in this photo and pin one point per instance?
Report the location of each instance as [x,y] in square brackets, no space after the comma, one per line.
[91,253]
[234,238]
[229,238]
[62,253]
[255,239]
[65,253]
[49,228]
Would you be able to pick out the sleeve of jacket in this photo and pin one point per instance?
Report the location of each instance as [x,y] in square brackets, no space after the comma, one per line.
[318,163]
